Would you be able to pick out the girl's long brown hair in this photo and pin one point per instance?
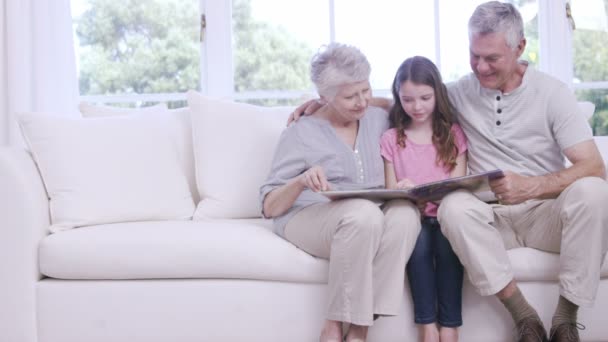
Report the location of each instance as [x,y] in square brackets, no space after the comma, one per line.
[420,70]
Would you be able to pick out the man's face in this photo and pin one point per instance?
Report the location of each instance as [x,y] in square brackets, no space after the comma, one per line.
[494,62]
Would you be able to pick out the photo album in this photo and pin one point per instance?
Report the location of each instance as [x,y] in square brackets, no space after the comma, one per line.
[433,191]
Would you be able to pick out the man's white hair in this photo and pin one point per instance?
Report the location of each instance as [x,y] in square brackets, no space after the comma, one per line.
[497,17]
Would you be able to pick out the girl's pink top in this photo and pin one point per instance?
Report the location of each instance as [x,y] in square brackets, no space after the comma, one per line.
[417,162]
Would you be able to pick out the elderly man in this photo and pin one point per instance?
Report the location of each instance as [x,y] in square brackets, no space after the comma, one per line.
[521,120]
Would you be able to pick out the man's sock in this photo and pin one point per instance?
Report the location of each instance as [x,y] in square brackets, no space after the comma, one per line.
[565,313]
[519,307]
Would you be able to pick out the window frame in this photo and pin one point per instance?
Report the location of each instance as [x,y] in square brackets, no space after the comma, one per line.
[216,64]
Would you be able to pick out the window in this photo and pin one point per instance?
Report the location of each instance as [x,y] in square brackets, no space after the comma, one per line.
[273,41]
[591,58]
[266,32]
[387,32]
[135,51]
[259,51]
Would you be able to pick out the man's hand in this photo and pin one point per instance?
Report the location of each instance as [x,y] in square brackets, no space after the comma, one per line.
[314,179]
[514,188]
[307,108]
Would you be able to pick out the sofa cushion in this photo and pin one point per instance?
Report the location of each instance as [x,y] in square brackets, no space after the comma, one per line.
[175,121]
[227,249]
[106,170]
[178,249]
[90,110]
[233,147]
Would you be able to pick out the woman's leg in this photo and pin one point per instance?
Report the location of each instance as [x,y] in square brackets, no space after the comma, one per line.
[401,229]
[421,276]
[449,272]
[348,233]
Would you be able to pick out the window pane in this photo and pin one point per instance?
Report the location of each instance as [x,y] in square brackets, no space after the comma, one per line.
[273,41]
[590,40]
[599,120]
[454,36]
[137,47]
[387,31]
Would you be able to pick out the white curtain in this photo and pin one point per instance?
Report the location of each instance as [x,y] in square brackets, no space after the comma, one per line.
[37,62]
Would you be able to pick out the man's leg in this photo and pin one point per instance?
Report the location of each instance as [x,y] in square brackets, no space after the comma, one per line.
[575,225]
[469,225]
[478,236]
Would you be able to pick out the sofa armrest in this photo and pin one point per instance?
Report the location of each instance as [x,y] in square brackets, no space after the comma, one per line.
[24,221]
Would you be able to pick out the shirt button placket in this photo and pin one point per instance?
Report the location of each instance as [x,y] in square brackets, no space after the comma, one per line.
[360,177]
[498,109]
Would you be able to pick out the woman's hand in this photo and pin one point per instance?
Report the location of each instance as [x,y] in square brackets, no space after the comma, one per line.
[314,179]
[279,200]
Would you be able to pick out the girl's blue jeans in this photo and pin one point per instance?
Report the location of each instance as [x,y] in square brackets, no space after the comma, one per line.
[435,276]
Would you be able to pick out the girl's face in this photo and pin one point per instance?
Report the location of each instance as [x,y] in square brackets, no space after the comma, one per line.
[418,101]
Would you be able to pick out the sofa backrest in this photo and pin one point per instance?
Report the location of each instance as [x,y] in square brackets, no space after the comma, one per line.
[176,121]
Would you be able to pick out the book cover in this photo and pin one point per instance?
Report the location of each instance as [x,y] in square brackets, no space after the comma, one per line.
[424,192]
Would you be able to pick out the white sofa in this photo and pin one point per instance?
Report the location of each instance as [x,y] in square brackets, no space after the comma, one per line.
[221,276]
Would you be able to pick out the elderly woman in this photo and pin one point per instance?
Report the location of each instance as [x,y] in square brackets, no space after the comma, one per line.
[338,148]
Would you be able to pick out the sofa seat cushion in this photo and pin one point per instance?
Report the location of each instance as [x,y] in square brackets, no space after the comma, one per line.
[220,248]
[245,249]
[535,265]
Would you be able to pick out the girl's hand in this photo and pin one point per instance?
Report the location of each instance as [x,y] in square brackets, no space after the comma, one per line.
[405,184]
[421,206]
[314,179]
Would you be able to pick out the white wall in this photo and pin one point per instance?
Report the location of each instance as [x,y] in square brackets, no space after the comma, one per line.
[3,77]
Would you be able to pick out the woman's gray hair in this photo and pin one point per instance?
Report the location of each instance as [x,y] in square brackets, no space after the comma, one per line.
[497,17]
[335,65]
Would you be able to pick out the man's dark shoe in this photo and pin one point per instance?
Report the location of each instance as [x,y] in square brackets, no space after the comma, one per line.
[531,329]
[566,332]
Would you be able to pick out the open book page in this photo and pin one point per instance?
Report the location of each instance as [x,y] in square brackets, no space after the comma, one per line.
[434,191]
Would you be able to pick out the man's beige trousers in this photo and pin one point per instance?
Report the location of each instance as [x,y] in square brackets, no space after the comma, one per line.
[575,224]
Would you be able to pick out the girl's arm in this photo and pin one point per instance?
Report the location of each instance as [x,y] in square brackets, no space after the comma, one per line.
[389,175]
[461,166]
[390,179]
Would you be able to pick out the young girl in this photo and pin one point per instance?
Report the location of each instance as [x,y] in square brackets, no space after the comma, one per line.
[425,145]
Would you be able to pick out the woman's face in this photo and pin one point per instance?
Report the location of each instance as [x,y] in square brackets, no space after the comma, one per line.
[351,101]
[418,101]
